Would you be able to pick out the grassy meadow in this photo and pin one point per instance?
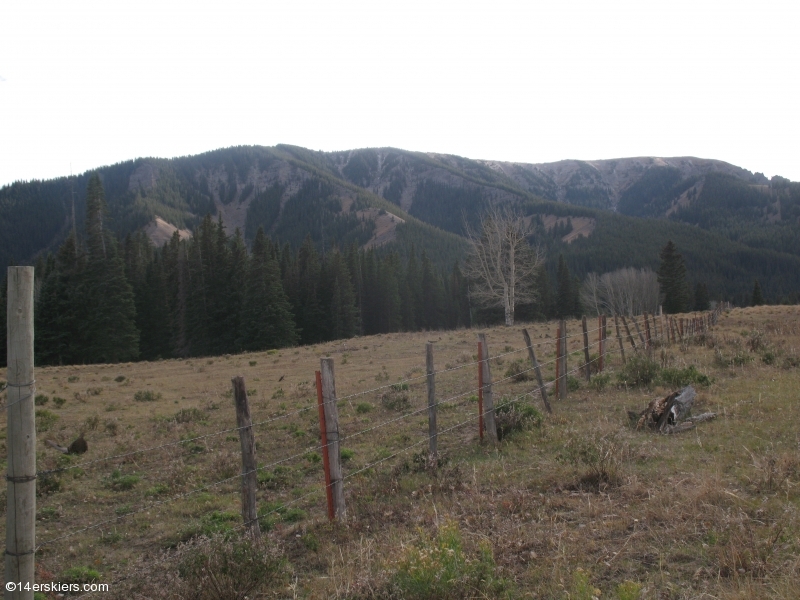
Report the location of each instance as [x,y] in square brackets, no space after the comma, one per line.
[576,504]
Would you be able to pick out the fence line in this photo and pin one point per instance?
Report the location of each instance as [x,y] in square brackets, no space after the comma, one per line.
[472,418]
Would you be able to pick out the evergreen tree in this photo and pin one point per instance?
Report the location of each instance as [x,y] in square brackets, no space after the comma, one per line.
[701,299]
[109,323]
[672,280]
[343,313]
[565,301]
[432,296]
[267,320]
[307,302]
[758,298]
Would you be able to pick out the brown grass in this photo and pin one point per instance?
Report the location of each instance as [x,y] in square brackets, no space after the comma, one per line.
[711,513]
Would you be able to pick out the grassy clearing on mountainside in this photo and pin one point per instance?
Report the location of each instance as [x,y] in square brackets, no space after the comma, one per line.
[570,505]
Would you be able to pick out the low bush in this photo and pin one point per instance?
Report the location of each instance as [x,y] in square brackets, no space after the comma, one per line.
[511,416]
[639,371]
[439,568]
[146,396]
[678,378]
[519,370]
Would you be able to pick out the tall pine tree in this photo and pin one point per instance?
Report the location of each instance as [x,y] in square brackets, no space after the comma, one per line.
[672,280]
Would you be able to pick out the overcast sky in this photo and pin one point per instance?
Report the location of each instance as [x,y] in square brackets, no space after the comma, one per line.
[85,84]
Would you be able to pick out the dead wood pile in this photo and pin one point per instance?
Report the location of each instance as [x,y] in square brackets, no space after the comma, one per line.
[670,414]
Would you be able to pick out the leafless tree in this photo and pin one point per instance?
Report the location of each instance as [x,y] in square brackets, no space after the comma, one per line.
[626,291]
[501,264]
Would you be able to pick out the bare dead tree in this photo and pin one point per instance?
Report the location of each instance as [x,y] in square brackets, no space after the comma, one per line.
[501,264]
[626,291]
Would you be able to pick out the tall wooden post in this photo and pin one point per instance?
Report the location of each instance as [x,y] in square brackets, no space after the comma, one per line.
[562,386]
[639,332]
[628,331]
[332,433]
[586,349]
[600,349]
[432,431]
[480,390]
[558,360]
[532,356]
[603,330]
[323,441]
[488,401]
[619,339]
[249,466]
[21,436]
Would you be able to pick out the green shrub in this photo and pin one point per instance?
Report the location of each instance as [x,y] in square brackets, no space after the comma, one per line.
[678,378]
[599,382]
[80,575]
[768,358]
[121,483]
[598,457]
[253,363]
[119,378]
[573,383]
[439,568]
[363,407]
[519,370]
[397,401]
[73,378]
[40,400]
[45,420]
[346,454]
[58,401]
[511,416]
[146,396]
[399,387]
[639,371]
[628,590]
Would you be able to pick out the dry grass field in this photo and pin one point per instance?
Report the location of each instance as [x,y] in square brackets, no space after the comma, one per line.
[575,504]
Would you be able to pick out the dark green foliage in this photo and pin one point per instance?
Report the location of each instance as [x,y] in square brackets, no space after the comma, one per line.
[678,378]
[267,320]
[701,300]
[639,371]
[263,211]
[515,414]
[672,280]
[447,207]
[653,193]
[758,298]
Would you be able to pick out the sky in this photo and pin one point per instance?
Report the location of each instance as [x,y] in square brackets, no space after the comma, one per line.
[85,84]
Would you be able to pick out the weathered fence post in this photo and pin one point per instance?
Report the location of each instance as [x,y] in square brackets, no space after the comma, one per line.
[21,436]
[639,332]
[480,390]
[562,384]
[558,361]
[628,331]
[488,401]
[619,339]
[332,437]
[323,440]
[648,336]
[586,349]
[432,431]
[605,339]
[249,466]
[599,343]
[532,356]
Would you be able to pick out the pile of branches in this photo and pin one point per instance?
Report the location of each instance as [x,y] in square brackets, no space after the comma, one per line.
[670,414]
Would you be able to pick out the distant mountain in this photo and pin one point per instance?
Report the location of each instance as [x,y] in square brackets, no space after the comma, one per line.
[731,224]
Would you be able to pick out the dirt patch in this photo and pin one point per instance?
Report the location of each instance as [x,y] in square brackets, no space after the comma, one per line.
[385,226]
[160,232]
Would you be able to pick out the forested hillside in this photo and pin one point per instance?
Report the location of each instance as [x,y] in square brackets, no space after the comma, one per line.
[391,220]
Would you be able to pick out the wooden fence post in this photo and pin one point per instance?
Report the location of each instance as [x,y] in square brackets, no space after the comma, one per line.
[488,401]
[332,434]
[562,386]
[647,334]
[619,339]
[532,356]
[628,331]
[249,466]
[323,441]
[432,431]
[21,435]
[639,332]
[586,349]
[605,339]
[480,390]
[599,343]
[558,362]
